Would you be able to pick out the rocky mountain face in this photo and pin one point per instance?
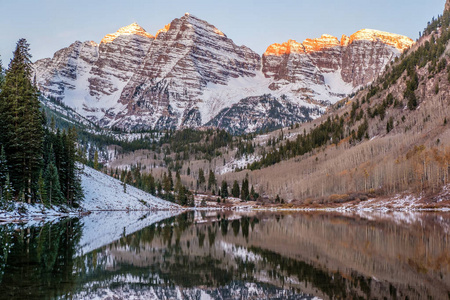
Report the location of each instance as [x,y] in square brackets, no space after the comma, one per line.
[168,88]
[260,113]
[190,74]
[337,66]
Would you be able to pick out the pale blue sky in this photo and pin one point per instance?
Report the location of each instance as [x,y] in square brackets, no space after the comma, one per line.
[50,25]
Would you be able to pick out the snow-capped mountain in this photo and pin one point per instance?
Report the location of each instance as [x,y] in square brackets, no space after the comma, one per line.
[190,74]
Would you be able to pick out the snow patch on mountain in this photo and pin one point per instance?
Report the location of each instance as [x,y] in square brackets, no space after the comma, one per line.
[336,84]
[218,96]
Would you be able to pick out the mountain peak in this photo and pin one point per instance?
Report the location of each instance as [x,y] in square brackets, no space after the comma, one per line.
[318,44]
[398,41]
[164,29]
[196,22]
[132,29]
[326,41]
[291,46]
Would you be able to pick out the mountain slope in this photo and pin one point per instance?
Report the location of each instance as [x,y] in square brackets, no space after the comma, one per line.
[103,192]
[391,138]
[190,71]
[340,66]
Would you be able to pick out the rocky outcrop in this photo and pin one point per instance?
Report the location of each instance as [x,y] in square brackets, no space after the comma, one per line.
[58,75]
[447,5]
[190,71]
[179,66]
[340,66]
[256,114]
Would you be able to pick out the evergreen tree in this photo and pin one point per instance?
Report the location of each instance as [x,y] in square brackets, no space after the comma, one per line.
[277,199]
[224,189]
[244,190]
[410,96]
[169,177]
[201,177]
[177,181]
[235,191]
[72,184]
[42,190]
[21,130]
[51,184]
[390,124]
[253,195]
[151,186]
[182,198]
[159,188]
[211,180]
[166,183]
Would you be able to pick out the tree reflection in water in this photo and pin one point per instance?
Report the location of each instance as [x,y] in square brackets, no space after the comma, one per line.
[37,262]
[228,255]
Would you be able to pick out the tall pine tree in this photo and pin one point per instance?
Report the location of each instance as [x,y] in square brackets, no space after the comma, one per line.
[21,130]
[235,191]
[244,190]
[52,184]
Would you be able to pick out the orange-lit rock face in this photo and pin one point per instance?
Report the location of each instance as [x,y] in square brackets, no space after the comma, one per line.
[395,40]
[345,40]
[288,47]
[324,42]
[217,31]
[165,29]
[127,30]
[314,60]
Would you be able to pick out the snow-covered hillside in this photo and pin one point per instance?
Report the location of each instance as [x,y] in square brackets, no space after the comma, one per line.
[103,192]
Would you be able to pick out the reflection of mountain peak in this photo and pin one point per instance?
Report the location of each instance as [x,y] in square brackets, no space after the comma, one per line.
[232,255]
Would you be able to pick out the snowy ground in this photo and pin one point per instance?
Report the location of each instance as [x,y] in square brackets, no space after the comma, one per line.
[102,192]
[35,214]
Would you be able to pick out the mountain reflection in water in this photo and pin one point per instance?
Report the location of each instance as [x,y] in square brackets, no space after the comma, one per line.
[225,255]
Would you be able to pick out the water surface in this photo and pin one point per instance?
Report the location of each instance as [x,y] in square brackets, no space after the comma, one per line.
[218,255]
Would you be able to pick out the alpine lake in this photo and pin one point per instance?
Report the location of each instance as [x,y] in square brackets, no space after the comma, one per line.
[228,255]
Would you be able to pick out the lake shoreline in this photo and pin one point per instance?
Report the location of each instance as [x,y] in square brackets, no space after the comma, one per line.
[41,213]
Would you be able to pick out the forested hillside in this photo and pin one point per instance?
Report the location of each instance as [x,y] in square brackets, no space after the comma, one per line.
[389,138]
[37,162]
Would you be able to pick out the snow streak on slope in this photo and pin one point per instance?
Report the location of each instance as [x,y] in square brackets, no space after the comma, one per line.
[102,192]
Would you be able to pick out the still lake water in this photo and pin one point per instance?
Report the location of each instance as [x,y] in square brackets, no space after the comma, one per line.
[224,255]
